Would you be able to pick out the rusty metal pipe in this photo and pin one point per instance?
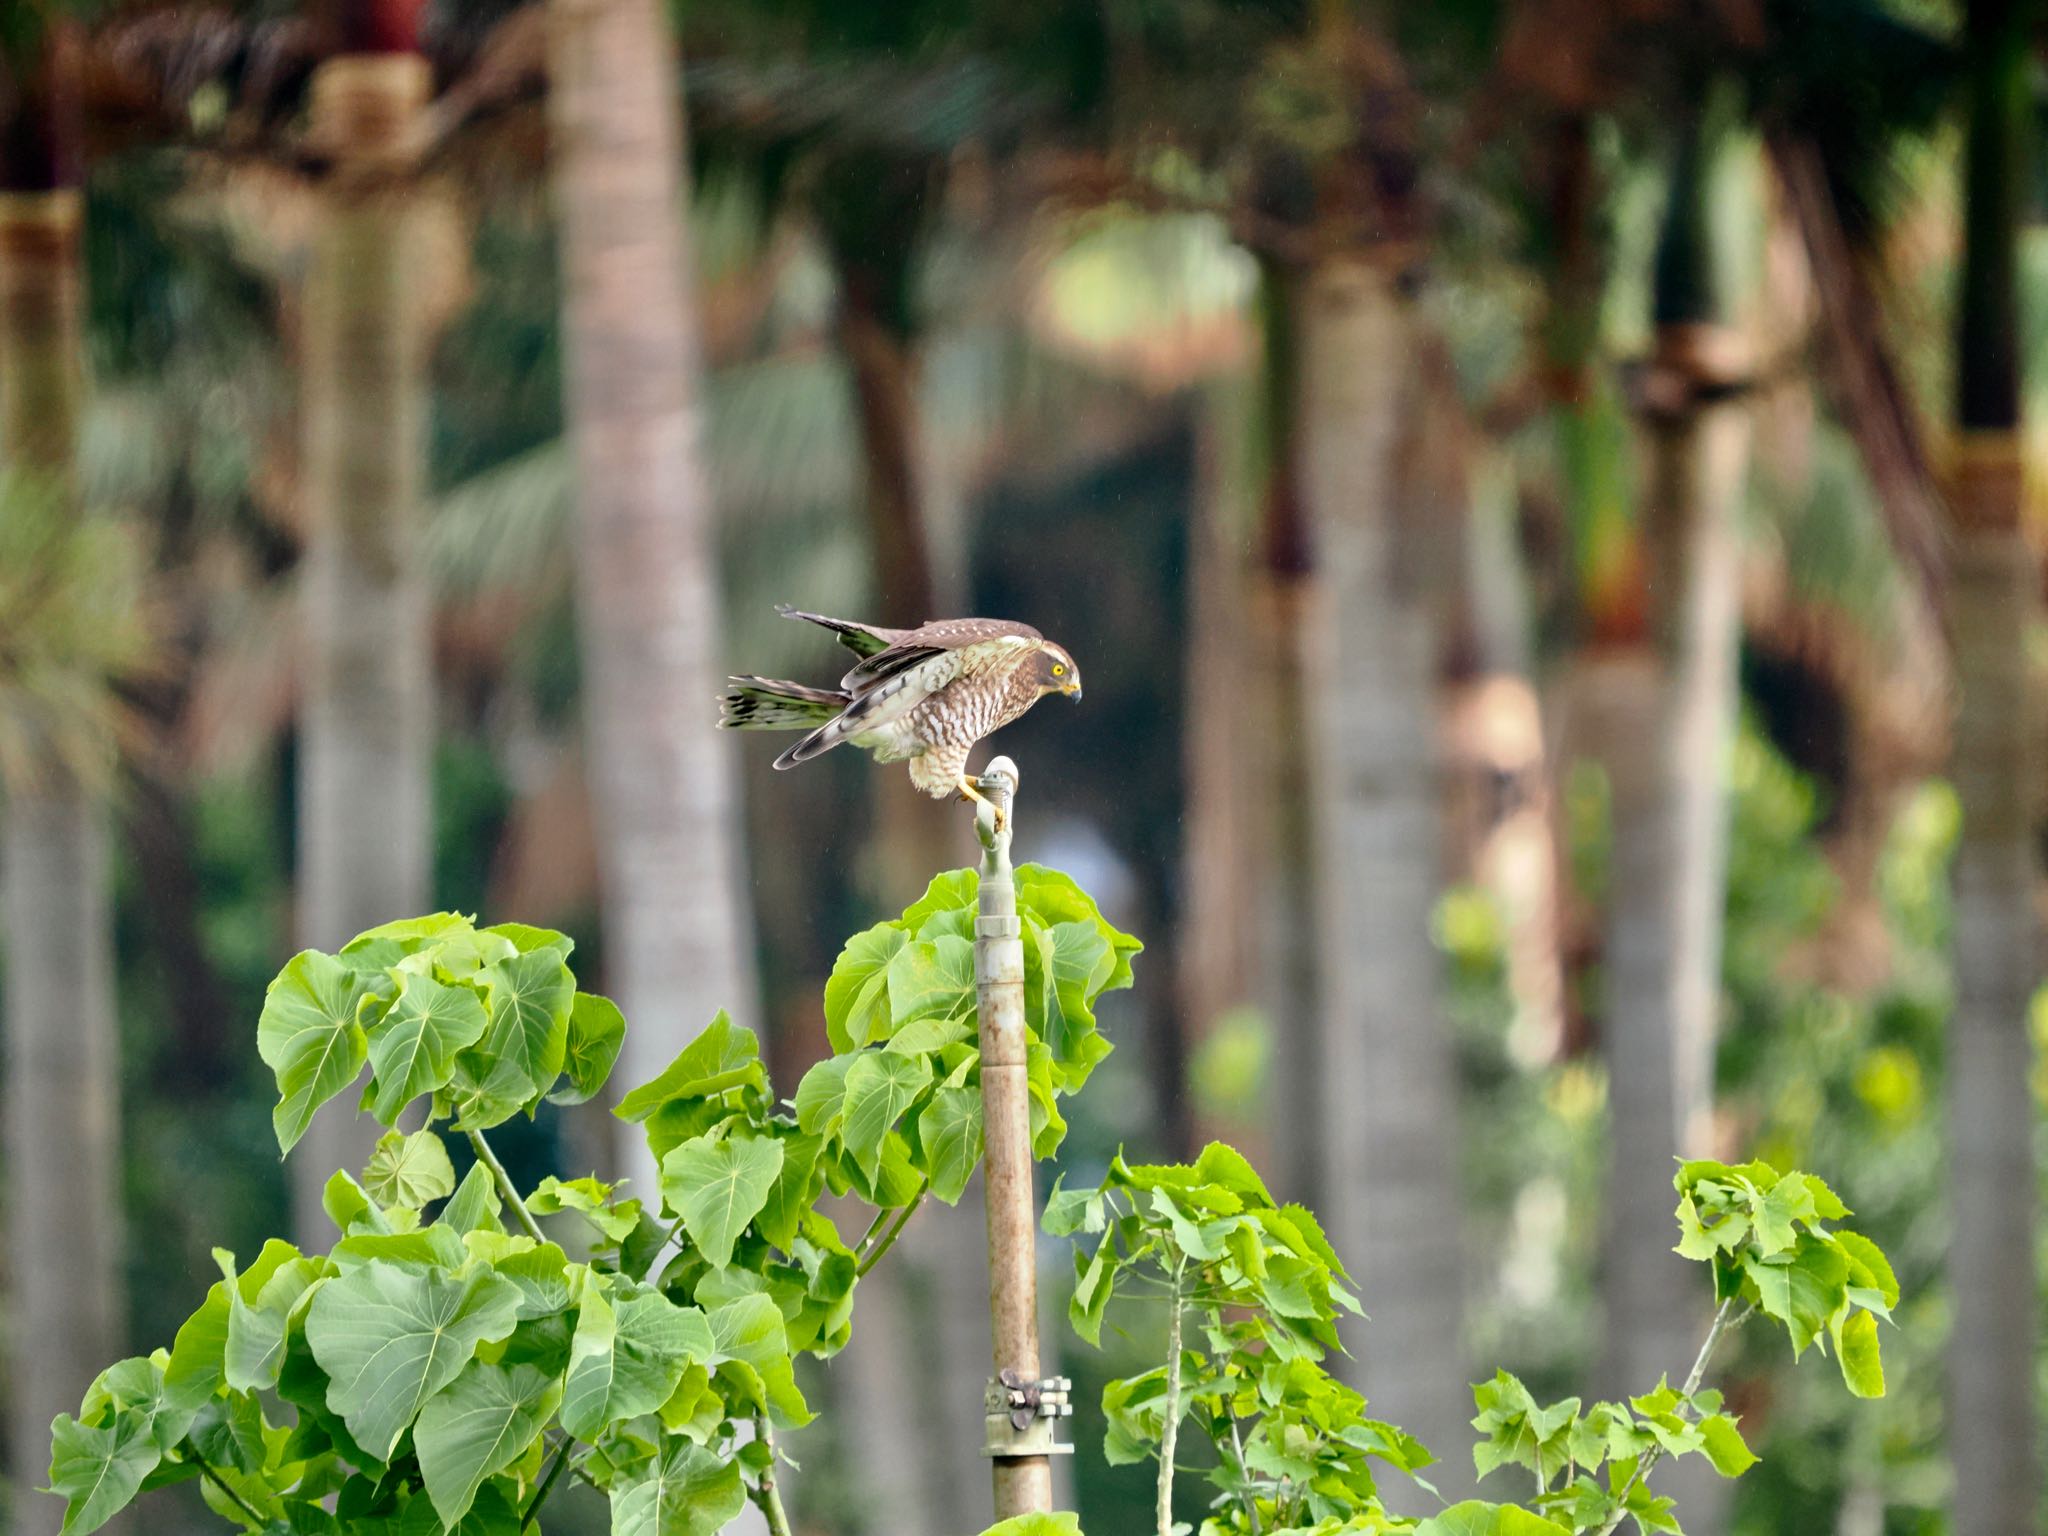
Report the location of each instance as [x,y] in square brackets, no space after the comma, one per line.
[1023,1483]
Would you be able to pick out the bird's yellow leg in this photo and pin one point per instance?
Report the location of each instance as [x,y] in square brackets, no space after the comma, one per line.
[970,789]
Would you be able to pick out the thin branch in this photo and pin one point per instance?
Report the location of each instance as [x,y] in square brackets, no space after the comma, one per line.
[1725,1318]
[1171,1432]
[881,1220]
[489,1159]
[547,1484]
[767,1493]
[233,1497]
[888,1239]
[1251,1500]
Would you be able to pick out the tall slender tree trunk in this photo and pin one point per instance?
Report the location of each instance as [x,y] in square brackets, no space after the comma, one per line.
[1215,951]
[1660,716]
[678,934]
[1279,603]
[921,1474]
[1386,1092]
[916,837]
[62,1058]
[366,713]
[1994,612]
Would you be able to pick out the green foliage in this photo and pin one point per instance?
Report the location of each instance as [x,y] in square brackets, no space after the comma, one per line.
[436,1371]
[1260,1290]
[450,1358]
[1294,1448]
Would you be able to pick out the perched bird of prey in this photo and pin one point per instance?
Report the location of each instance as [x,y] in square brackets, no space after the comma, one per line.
[923,695]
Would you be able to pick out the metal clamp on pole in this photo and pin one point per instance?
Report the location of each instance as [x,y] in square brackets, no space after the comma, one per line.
[1023,1416]
[1019,1438]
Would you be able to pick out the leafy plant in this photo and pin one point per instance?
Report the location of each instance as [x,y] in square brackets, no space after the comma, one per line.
[451,1358]
[1294,1448]
[1251,1291]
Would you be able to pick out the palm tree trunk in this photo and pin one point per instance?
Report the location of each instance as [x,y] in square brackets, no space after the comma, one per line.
[1386,1106]
[916,837]
[1279,601]
[62,1058]
[678,937]
[1994,612]
[1215,949]
[1660,716]
[366,697]
[1662,720]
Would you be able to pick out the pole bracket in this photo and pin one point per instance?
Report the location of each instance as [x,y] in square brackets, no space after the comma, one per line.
[1022,1416]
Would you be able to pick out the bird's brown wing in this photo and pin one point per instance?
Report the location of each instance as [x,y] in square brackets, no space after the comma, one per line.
[929,640]
[863,640]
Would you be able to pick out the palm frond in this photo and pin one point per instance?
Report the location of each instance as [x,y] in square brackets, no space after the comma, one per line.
[75,626]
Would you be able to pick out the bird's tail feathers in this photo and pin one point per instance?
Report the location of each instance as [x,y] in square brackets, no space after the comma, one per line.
[769,704]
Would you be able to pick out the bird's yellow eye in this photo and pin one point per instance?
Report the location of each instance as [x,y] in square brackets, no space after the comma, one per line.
[1059,669]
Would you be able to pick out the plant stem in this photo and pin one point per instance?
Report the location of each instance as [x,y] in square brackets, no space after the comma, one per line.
[1170,1433]
[881,1220]
[233,1497]
[767,1493]
[1725,1317]
[547,1484]
[489,1159]
[1251,1501]
[888,1238]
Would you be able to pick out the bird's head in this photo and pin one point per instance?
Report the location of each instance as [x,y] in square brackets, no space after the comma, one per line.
[1057,672]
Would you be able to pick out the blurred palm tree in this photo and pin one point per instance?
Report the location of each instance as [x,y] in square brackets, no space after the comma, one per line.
[70,629]
[375,285]
[679,937]
[1994,616]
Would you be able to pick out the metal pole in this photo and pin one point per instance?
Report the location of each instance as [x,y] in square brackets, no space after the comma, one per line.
[1023,1478]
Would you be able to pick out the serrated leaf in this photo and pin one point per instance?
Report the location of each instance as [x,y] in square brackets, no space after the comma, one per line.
[308,1035]
[413,1048]
[1868,1268]
[1803,1291]
[879,1088]
[1724,1445]
[409,1170]
[631,1348]
[477,1425]
[597,1030]
[684,1491]
[1857,1347]
[1068,1211]
[949,1130]
[1092,1290]
[390,1338]
[723,1057]
[718,1186]
[97,1470]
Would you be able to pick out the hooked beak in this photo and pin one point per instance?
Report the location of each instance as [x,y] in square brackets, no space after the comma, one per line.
[1073,691]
